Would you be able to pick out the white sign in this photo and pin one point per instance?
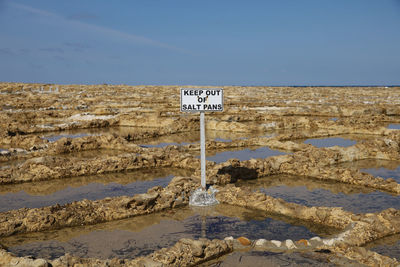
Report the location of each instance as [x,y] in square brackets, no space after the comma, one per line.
[201,99]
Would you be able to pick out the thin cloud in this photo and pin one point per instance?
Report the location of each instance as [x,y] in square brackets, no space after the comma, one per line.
[137,39]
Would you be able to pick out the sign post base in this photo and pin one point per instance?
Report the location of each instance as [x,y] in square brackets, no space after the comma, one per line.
[202,100]
[202,198]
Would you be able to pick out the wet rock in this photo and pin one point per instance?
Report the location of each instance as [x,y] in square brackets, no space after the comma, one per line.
[8,259]
[363,256]
[190,252]
[145,200]
[89,212]
[263,107]
[196,246]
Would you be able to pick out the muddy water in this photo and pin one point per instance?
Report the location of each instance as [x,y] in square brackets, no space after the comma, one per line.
[266,258]
[382,168]
[142,235]
[61,191]
[243,154]
[310,192]
[388,246]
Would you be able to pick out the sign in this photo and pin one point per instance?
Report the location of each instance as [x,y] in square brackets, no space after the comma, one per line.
[201,99]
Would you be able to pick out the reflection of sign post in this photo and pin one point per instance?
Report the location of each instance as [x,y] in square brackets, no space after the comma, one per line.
[201,100]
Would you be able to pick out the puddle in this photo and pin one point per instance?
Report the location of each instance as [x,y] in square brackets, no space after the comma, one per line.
[266,258]
[138,236]
[61,191]
[394,126]
[388,246]
[222,140]
[331,141]
[310,192]
[333,119]
[245,154]
[53,138]
[382,168]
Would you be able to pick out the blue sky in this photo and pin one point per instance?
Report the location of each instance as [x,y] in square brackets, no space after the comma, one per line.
[188,42]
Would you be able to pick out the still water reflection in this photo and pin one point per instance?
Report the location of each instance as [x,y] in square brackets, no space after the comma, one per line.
[311,192]
[142,235]
[61,191]
[382,168]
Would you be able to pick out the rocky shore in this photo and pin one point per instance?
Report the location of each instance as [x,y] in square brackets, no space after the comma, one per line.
[277,118]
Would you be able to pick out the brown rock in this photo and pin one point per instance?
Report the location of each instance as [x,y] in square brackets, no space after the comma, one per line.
[244,241]
[302,242]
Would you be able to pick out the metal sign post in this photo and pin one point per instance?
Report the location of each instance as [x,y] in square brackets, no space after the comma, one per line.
[202,150]
[202,100]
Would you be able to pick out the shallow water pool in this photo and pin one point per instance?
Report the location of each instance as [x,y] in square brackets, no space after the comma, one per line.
[265,258]
[53,138]
[142,235]
[388,246]
[382,168]
[329,142]
[61,191]
[311,192]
